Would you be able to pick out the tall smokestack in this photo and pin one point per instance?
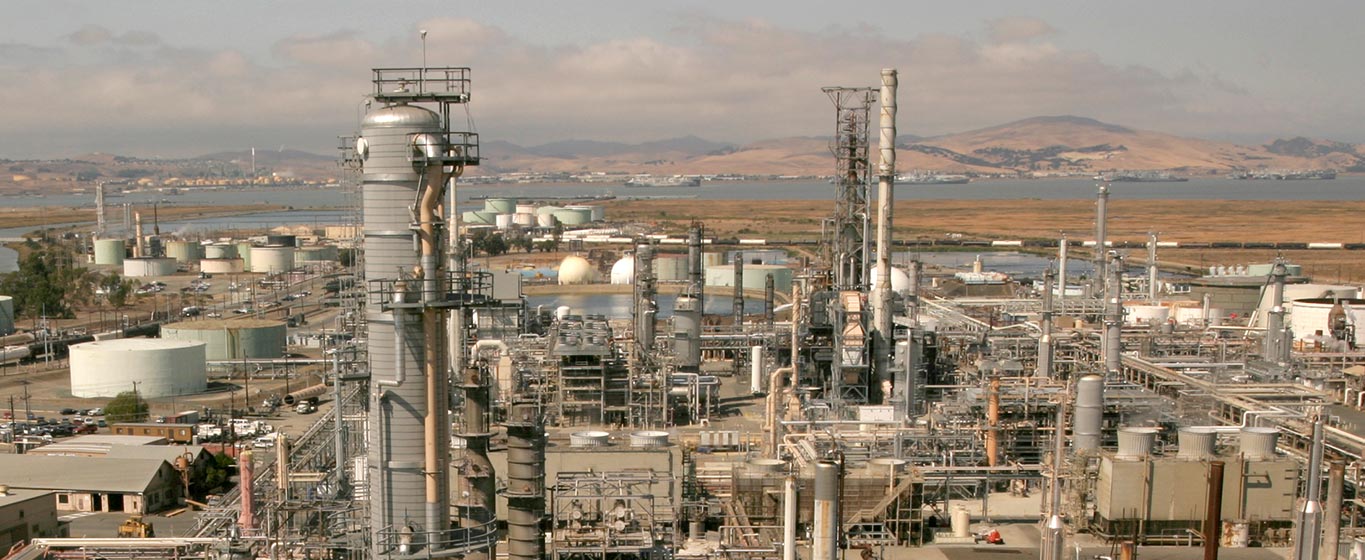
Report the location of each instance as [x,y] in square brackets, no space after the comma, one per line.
[1054,530]
[881,296]
[137,235]
[1213,511]
[99,208]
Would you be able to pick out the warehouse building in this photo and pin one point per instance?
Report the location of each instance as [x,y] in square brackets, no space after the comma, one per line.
[27,514]
[93,484]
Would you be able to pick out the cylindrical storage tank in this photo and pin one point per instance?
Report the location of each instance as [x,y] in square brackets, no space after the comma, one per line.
[222,266]
[524,219]
[1236,534]
[1311,315]
[1258,443]
[282,240]
[589,439]
[547,210]
[545,220]
[526,209]
[572,217]
[670,269]
[755,276]
[595,213]
[220,251]
[886,466]
[478,218]
[1135,443]
[232,339]
[649,439]
[110,251]
[1089,413]
[500,205]
[623,271]
[961,523]
[6,315]
[244,253]
[184,251]
[148,266]
[1145,314]
[826,518]
[766,466]
[272,260]
[157,367]
[316,253]
[562,312]
[1197,444]
[503,221]
[1194,316]
[576,270]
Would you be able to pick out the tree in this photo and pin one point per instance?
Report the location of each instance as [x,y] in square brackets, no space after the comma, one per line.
[48,282]
[126,407]
[117,289]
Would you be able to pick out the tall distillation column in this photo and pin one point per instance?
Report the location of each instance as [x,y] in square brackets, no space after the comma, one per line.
[1101,242]
[1308,520]
[478,487]
[1046,345]
[1113,318]
[882,337]
[1152,270]
[1276,344]
[408,154]
[525,482]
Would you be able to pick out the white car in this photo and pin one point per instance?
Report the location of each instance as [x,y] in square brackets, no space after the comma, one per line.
[264,442]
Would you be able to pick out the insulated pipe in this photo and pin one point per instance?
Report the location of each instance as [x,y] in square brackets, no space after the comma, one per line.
[796,336]
[1046,346]
[771,403]
[246,469]
[435,450]
[486,344]
[1331,524]
[825,540]
[282,464]
[137,236]
[1213,511]
[1151,267]
[1308,525]
[993,421]
[400,365]
[789,518]
[881,300]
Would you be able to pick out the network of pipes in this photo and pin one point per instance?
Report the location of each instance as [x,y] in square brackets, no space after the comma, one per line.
[851,414]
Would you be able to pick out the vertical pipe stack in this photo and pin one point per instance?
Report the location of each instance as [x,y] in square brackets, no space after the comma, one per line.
[1308,522]
[769,293]
[1113,319]
[1053,546]
[993,421]
[478,487]
[1213,511]
[645,305]
[738,304]
[137,236]
[695,273]
[1062,246]
[525,482]
[825,540]
[99,209]
[1331,523]
[1101,224]
[1151,268]
[1046,346]
[756,369]
[882,338]
[246,473]
[1276,342]
[789,518]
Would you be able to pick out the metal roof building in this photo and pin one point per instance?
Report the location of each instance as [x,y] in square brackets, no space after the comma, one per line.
[96,483]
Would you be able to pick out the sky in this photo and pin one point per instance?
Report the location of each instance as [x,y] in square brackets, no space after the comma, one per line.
[187,77]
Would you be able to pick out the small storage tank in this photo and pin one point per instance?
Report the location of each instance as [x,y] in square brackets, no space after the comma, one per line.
[1089,413]
[282,240]
[623,271]
[158,367]
[148,266]
[961,523]
[316,253]
[184,251]
[1197,444]
[500,205]
[573,217]
[1145,314]
[649,439]
[545,220]
[244,252]
[1135,443]
[524,219]
[110,251]
[272,260]
[1258,443]
[1194,315]
[1311,315]
[576,270]
[503,221]
[478,218]
[526,209]
[589,439]
[222,266]
[232,339]
[547,210]
[6,315]
[220,251]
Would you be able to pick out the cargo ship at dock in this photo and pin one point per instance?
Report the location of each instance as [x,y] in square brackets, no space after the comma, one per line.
[1142,177]
[652,181]
[1286,175]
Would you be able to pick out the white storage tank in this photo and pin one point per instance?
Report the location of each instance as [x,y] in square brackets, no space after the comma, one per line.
[503,221]
[148,266]
[576,270]
[478,218]
[110,251]
[159,368]
[244,253]
[547,210]
[524,219]
[232,339]
[316,253]
[272,260]
[545,220]
[222,266]
[184,251]
[220,251]
[1311,315]
[526,209]
[1145,314]
[1194,315]
[6,315]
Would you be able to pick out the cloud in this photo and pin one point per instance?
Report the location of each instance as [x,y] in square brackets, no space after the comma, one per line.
[722,79]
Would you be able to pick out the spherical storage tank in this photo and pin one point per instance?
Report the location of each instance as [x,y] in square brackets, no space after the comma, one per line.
[500,205]
[159,368]
[220,251]
[272,260]
[148,266]
[576,270]
[900,281]
[110,251]
[221,266]
[6,315]
[623,270]
[184,251]
[231,339]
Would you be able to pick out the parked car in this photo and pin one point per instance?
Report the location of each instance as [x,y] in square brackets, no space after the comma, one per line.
[69,411]
[264,442]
